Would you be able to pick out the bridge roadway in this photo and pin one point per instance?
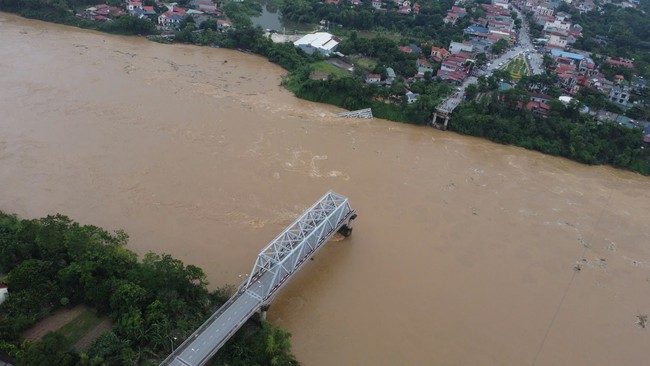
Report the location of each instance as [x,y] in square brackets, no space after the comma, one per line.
[275,265]
[222,325]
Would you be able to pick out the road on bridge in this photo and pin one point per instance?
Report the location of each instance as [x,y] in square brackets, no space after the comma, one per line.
[202,347]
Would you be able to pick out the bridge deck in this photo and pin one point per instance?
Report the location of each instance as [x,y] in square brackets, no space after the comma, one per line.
[317,226]
[361,113]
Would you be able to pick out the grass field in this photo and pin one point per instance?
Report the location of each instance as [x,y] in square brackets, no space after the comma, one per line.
[517,67]
[382,33]
[326,67]
[365,62]
[78,327]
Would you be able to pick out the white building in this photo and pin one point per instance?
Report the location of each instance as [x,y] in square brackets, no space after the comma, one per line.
[502,3]
[557,25]
[411,97]
[322,42]
[457,47]
[557,42]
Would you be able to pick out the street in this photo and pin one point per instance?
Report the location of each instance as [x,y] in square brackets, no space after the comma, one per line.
[524,45]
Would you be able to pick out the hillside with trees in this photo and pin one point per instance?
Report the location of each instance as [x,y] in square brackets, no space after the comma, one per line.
[617,32]
[54,263]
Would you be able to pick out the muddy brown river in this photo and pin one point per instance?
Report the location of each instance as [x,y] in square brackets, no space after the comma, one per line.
[465,252]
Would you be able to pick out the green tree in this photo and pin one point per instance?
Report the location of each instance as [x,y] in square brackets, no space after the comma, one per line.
[499,46]
[51,350]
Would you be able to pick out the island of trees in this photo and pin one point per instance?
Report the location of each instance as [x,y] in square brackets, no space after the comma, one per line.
[55,263]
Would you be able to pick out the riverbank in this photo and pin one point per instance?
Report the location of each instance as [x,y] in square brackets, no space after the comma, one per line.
[353,93]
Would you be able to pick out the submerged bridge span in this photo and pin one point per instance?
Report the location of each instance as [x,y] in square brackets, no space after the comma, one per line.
[274,267]
[361,113]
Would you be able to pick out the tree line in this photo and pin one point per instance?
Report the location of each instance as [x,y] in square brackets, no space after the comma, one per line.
[565,131]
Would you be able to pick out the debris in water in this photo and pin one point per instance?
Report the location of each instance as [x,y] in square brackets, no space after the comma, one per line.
[642,320]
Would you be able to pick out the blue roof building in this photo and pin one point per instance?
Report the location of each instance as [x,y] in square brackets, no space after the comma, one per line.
[573,56]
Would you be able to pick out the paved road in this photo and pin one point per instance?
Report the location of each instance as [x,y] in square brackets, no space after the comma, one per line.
[524,46]
[207,340]
[534,58]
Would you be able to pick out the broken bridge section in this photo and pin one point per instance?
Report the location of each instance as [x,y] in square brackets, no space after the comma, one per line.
[273,269]
[361,113]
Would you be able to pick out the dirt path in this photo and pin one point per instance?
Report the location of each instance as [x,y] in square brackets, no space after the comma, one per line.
[53,322]
[86,340]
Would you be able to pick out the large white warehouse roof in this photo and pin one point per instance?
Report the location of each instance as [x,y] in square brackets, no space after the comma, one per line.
[321,41]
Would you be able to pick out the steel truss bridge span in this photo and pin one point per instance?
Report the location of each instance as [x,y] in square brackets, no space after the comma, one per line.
[273,269]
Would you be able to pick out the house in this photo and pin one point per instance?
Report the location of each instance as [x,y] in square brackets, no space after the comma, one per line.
[623,63]
[545,9]
[321,42]
[373,79]
[618,96]
[405,49]
[131,5]
[138,13]
[223,24]
[538,107]
[207,7]
[149,10]
[501,3]
[557,26]
[415,48]
[423,66]
[390,76]
[439,54]
[538,97]
[168,18]
[451,18]
[457,47]
[404,10]
[453,69]
[556,42]
[474,30]
[411,97]
[376,4]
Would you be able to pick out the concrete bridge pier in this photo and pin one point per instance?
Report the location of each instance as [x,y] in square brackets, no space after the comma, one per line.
[263,311]
[434,121]
[346,229]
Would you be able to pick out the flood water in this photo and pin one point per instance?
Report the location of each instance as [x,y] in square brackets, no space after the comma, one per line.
[464,252]
[271,18]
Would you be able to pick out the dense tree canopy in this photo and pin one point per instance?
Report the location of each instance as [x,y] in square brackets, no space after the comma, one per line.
[564,132]
[617,32]
[55,262]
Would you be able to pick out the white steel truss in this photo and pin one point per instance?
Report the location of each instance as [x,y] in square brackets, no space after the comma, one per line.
[284,255]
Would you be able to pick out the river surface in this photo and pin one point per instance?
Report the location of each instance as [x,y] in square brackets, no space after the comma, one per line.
[464,252]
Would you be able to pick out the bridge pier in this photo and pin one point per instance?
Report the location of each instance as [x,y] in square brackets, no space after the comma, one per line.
[263,310]
[346,229]
[441,126]
[444,110]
